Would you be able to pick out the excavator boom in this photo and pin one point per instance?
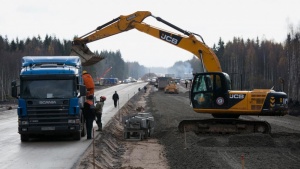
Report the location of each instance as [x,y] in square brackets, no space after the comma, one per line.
[186,40]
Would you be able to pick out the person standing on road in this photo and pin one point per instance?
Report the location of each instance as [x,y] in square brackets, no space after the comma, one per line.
[115,97]
[89,115]
[99,109]
[186,83]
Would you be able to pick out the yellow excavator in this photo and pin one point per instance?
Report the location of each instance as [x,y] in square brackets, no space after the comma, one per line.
[211,90]
[172,87]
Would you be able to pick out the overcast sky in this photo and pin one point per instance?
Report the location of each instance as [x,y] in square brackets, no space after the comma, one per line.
[212,19]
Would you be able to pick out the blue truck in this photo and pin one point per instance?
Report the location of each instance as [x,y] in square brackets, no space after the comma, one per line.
[51,94]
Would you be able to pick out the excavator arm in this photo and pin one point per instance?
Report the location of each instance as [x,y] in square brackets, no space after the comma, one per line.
[186,40]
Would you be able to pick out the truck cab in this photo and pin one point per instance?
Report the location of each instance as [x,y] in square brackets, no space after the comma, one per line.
[50,97]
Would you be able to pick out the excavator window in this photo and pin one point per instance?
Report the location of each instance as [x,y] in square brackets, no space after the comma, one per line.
[209,91]
[202,84]
[217,85]
[202,93]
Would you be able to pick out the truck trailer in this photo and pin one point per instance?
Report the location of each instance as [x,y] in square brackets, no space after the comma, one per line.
[50,93]
[162,82]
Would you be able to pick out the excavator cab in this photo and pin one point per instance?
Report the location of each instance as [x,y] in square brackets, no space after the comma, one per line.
[210,90]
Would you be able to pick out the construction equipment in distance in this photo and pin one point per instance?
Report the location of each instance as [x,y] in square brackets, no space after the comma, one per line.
[172,88]
[138,126]
[211,90]
[162,82]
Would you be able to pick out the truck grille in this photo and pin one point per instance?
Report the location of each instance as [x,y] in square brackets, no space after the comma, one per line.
[47,115]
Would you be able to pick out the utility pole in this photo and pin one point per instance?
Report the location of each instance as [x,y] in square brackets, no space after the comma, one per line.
[2,90]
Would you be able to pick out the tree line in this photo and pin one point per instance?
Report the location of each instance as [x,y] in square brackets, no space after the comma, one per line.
[251,64]
[255,64]
[11,53]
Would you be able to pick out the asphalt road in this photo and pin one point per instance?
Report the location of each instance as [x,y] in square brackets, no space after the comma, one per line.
[59,153]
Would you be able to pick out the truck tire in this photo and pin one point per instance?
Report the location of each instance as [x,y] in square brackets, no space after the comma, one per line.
[83,127]
[148,130]
[77,135]
[127,135]
[24,137]
[83,131]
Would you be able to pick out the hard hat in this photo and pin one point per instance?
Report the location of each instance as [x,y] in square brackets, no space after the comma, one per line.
[103,98]
[83,72]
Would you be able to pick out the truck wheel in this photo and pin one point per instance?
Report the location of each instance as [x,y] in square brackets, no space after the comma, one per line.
[83,127]
[83,130]
[148,130]
[146,134]
[24,137]
[127,135]
[77,135]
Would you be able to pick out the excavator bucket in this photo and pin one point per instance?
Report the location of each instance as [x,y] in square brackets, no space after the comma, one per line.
[88,58]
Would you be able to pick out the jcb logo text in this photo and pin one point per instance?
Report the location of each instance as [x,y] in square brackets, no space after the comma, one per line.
[236,96]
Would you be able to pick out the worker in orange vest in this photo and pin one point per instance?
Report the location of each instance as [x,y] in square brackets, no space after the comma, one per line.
[88,82]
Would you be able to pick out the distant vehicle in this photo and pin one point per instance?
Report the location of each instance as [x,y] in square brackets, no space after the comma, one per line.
[133,80]
[172,87]
[153,81]
[162,82]
[176,80]
[108,81]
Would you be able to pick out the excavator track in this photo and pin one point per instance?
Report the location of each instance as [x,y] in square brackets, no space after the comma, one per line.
[224,126]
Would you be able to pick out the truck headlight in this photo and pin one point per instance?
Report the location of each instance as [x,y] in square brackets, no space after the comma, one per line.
[73,121]
[23,122]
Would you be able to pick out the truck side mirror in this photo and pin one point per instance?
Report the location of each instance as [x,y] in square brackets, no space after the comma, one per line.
[82,90]
[14,89]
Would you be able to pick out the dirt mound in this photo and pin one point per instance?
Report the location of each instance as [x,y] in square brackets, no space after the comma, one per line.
[109,145]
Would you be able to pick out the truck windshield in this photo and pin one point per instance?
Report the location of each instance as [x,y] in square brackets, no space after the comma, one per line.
[41,89]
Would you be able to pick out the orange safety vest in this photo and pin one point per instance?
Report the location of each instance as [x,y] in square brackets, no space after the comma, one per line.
[89,83]
[90,102]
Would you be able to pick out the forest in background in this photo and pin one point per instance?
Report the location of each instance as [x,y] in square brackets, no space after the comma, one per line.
[250,63]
